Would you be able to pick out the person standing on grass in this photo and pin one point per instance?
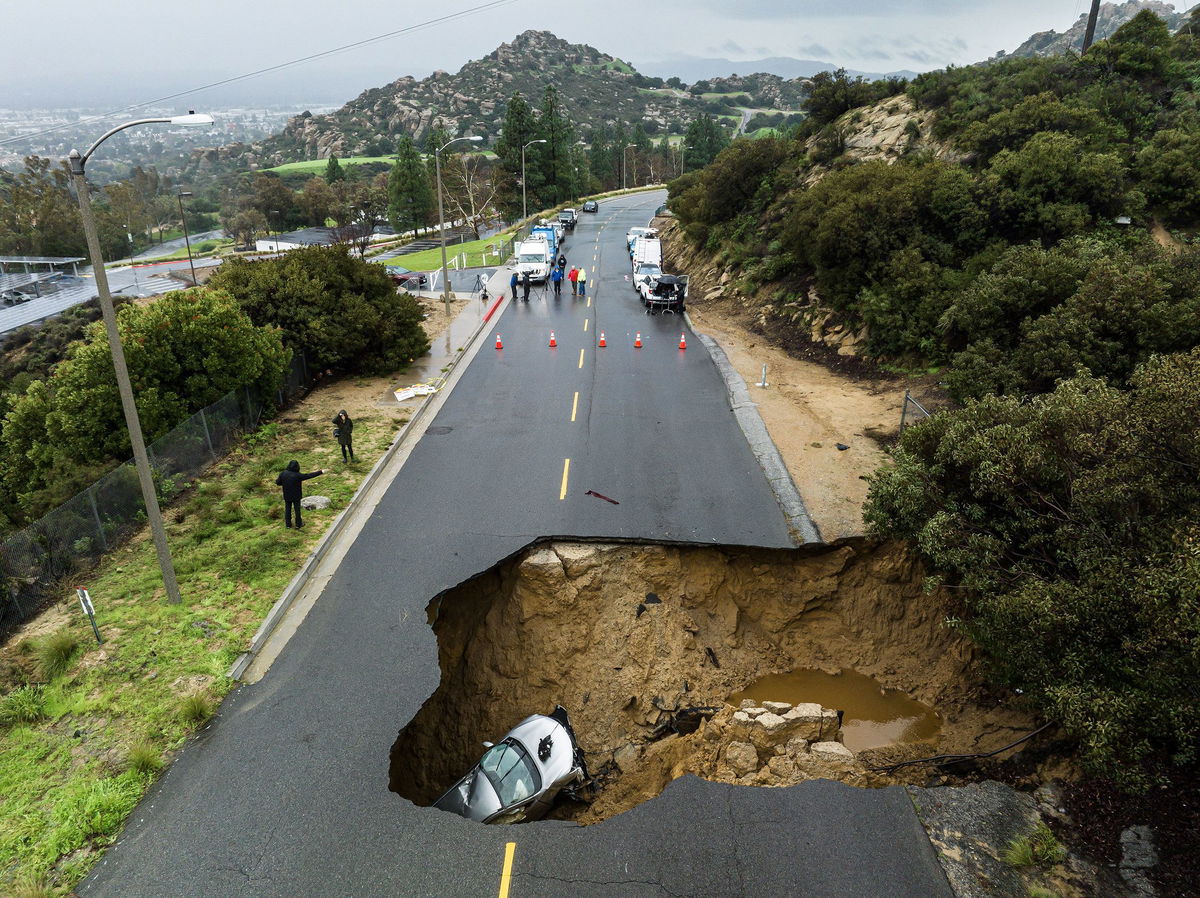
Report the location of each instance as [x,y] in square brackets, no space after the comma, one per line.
[583,282]
[291,479]
[556,276]
[343,430]
[512,282]
[573,277]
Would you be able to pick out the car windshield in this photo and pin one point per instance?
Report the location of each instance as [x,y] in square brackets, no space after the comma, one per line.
[652,270]
[535,258]
[511,772]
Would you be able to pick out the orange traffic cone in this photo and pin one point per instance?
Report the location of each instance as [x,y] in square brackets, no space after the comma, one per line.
[682,342]
[637,344]
[499,345]
[553,342]
[603,342]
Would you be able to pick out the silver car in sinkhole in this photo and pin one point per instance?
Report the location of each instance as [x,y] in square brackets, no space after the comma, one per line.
[519,777]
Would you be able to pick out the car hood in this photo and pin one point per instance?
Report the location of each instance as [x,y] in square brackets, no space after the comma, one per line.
[472,797]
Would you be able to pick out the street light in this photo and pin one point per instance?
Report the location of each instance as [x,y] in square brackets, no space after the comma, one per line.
[140,460]
[179,196]
[524,201]
[623,164]
[278,230]
[437,164]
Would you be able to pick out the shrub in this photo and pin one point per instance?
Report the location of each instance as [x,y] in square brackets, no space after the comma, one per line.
[1038,848]
[26,704]
[195,708]
[144,758]
[54,653]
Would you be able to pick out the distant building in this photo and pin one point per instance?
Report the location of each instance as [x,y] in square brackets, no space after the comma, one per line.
[309,237]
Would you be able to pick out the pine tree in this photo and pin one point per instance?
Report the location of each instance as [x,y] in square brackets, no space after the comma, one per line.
[333,171]
[520,127]
[555,153]
[410,192]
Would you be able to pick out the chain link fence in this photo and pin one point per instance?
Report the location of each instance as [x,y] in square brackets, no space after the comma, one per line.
[39,560]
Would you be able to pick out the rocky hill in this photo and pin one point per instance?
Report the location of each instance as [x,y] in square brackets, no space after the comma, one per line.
[595,87]
[1112,16]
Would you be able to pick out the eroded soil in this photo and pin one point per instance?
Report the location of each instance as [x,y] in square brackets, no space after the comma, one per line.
[576,624]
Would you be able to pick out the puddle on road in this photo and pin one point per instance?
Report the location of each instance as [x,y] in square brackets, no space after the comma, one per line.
[874,716]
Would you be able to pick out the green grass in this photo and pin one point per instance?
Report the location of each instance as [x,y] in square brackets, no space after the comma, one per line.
[54,653]
[1035,849]
[195,708]
[317,166]
[430,259]
[64,797]
[762,132]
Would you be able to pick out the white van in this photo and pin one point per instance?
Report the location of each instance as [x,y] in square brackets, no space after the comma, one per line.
[533,255]
[633,233]
[647,251]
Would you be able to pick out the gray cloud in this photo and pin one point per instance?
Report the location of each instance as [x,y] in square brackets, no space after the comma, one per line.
[818,50]
[795,9]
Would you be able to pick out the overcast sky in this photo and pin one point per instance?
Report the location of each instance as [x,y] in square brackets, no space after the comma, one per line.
[117,51]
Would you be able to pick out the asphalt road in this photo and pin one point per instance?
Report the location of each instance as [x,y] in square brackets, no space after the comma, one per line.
[285,792]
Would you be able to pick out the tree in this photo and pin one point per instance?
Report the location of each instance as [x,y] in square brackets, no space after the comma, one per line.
[520,127]
[410,192]
[317,202]
[472,188]
[342,312]
[554,156]
[185,351]
[38,215]
[1069,524]
[703,142]
[333,171]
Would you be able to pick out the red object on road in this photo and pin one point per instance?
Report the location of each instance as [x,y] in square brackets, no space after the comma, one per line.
[637,343]
[499,345]
[553,342]
[682,342]
[603,342]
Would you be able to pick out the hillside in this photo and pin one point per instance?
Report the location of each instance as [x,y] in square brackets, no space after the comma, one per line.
[1112,16]
[596,89]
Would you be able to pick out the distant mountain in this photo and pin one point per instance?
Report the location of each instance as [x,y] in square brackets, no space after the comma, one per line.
[595,88]
[694,68]
[1111,17]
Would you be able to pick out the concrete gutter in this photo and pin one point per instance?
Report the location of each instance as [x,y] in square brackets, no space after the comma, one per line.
[289,610]
[804,530]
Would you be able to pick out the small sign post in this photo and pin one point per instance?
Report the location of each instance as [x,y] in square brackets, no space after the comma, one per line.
[85,602]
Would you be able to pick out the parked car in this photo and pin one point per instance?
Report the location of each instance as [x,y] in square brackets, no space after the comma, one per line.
[644,279]
[406,277]
[15,297]
[519,777]
[668,294]
[568,218]
[590,206]
[634,233]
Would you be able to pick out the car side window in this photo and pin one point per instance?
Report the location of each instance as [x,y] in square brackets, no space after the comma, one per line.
[511,772]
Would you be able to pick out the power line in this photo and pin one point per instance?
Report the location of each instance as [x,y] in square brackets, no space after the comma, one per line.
[429,23]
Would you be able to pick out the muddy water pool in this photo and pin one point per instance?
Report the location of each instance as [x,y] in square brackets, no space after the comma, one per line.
[874,716]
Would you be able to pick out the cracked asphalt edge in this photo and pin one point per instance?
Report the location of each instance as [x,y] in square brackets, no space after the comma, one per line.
[745,410]
[318,569]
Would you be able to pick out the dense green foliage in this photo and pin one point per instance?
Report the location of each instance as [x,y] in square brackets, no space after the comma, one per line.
[184,352]
[1071,522]
[1052,150]
[341,312]
[1014,239]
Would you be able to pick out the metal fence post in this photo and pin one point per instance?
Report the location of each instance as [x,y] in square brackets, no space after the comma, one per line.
[207,435]
[904,411]
[96,514]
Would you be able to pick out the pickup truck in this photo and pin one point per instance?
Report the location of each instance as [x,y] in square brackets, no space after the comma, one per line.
[569,218]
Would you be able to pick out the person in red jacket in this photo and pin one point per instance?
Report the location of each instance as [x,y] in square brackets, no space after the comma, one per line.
[573,277]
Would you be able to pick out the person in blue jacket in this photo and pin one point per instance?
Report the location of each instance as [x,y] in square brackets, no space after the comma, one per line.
[512,282]
[556,277]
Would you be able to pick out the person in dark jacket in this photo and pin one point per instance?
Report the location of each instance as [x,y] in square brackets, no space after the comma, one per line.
[290,479]
[526,283]
[512,282]
[556,277]
[343,428]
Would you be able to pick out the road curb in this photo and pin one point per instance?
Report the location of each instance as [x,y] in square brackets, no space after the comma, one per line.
[403,438]
[803,529]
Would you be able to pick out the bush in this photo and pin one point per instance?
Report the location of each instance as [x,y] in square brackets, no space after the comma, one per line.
[341,312]
[55,652]
[1070,523]
[144,758]
[26,704]
[195,708]
[1038,848]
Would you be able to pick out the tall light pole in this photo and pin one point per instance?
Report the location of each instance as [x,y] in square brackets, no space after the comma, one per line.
[1090,32]
[623,165]
[187,241]
[524,200]
[437,164]
[140,459]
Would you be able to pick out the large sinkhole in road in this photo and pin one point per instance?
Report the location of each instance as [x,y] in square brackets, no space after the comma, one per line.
[624,636]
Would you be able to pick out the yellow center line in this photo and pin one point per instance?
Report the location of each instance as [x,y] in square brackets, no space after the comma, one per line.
[575,406]
[585,324]
[589,302]
[562,494]
[506,876]
[580,358]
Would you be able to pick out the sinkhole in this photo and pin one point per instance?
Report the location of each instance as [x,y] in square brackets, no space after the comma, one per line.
[730,663]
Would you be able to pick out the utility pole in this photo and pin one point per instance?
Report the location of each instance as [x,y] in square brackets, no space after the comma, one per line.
[1090,34]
